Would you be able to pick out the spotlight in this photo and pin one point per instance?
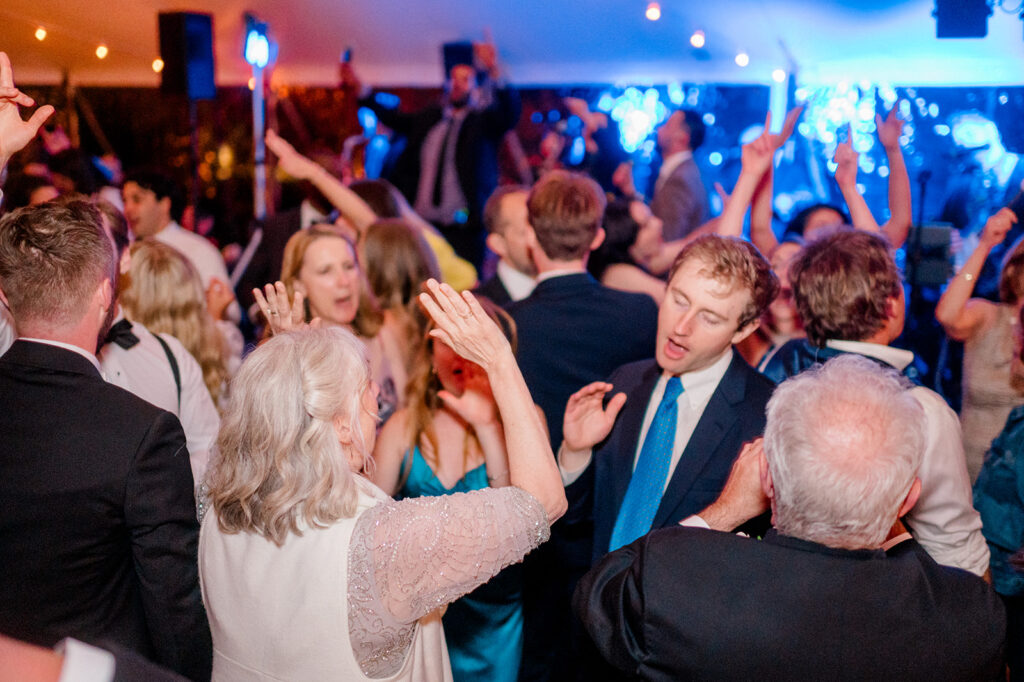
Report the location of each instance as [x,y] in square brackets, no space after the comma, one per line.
[158,65]
[778,75]
[742,59]
[102,51]
[653,11]
[257,46]
[697,39]
[40,33]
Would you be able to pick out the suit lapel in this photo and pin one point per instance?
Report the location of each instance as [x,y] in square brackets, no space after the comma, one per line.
[632,419]
[719,416]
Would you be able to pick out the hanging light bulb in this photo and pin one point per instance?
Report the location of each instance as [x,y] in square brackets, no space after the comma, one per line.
[697,39]
[40,33]
[742,59]
[653,12]
[158,65]
[102,51]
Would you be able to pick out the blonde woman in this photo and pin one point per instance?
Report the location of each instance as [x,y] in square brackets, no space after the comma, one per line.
[166,296]
[308,570]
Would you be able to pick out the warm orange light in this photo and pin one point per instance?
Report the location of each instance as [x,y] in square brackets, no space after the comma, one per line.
[697,39]
[158,65]
[40,33]
[653,11]
[102,51]
[252,83]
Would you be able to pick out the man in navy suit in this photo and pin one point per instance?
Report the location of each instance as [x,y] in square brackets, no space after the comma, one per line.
[572,331]
[697,402]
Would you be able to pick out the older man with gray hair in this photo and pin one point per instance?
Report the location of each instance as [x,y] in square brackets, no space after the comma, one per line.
[837,585]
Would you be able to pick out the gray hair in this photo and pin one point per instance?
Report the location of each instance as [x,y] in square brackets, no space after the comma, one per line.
[843,443]
[278,459]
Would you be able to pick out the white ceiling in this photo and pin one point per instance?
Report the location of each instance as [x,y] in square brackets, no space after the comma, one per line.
[542,42]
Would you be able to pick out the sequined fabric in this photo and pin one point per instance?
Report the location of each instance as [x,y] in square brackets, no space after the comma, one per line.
[411,557]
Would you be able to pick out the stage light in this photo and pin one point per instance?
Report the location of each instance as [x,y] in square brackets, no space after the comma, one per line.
[715,158]
[40,33]
[941,129]
[102,51]
[257,47]
[697,39]
[779,75]
[653,12]
[158,65]
[742,59]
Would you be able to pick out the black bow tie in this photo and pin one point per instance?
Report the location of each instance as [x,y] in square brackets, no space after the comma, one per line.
[121,334]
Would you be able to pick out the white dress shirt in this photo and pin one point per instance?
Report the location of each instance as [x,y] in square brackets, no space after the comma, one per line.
[144,370]
[203,255]
[517,284]
[944,520]
[84,662]
[7,332]
[698,388]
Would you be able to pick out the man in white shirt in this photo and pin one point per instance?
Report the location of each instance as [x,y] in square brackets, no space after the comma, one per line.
[153,204]
[680,199]
[507,220]
[849,293]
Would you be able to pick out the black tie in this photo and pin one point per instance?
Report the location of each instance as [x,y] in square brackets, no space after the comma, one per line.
[442,159]
[121,334]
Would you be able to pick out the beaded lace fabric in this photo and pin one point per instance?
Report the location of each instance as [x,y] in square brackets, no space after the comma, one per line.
[410,557]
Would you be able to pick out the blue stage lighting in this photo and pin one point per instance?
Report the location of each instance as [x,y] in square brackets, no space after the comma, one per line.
[387,100]
[715,158]
[257,46]
[368,121]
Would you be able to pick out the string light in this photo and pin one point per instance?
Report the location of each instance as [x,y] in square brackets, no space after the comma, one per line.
[742,59]
[158,65]
[40,33]
[697,39]
[653,12]
[102,51]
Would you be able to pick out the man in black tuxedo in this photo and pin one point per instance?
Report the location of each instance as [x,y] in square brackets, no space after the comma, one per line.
[836,588]
[98,530]
[450,162]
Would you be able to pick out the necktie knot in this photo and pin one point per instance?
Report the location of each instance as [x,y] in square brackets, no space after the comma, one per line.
[673,389]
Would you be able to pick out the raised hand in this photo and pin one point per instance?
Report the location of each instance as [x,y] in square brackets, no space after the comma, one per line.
[743,495]
[14,132]
[476,404]
[788,126]
[279,314]
[587,421]
[997,226]
[289,160]
[218,297]
[463,325]
[758,154]
[846,159]
[890,129]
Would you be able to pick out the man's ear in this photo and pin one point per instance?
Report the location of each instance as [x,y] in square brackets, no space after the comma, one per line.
[497,244]
[911,499]
[165,206]
[3,297]
[598,239]
[745,331]
[767,485]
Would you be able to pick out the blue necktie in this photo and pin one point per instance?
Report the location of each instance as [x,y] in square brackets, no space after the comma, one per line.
[648,482]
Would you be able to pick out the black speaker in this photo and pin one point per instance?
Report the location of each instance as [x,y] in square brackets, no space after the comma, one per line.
[961,18]
[186,46]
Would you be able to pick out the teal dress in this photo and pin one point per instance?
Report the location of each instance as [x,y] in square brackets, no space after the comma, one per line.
[484,629]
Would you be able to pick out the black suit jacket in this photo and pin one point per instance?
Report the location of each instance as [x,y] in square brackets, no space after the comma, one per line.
[573,331]
[476,149]
[495,290]
[98,530]
[687,603]
[734,414]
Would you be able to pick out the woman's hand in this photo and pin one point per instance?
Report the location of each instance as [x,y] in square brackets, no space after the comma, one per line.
[463,325]
[279,314]
[289,160]
[476,404]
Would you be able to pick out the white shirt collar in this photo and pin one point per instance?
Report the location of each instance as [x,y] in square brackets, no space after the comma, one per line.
[673,161]
[67,346]
[705,380]
[517,284]
[559,272]
[897,357]
[309,215]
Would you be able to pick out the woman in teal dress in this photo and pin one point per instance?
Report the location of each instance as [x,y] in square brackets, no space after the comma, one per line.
[448,440]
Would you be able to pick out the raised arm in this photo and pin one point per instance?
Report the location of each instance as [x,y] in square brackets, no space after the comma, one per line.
[900,211]
[14,132]
[355,210]
[757,158]
[463,325]
[846,160]
[761,233]
[959,314]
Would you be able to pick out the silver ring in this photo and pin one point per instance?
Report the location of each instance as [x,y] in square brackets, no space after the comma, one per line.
[273,312]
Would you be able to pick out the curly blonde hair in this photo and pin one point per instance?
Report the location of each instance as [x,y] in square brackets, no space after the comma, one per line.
[279,465]
[165,294]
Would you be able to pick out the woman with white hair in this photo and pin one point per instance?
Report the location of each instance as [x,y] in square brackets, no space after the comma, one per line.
[311,572]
